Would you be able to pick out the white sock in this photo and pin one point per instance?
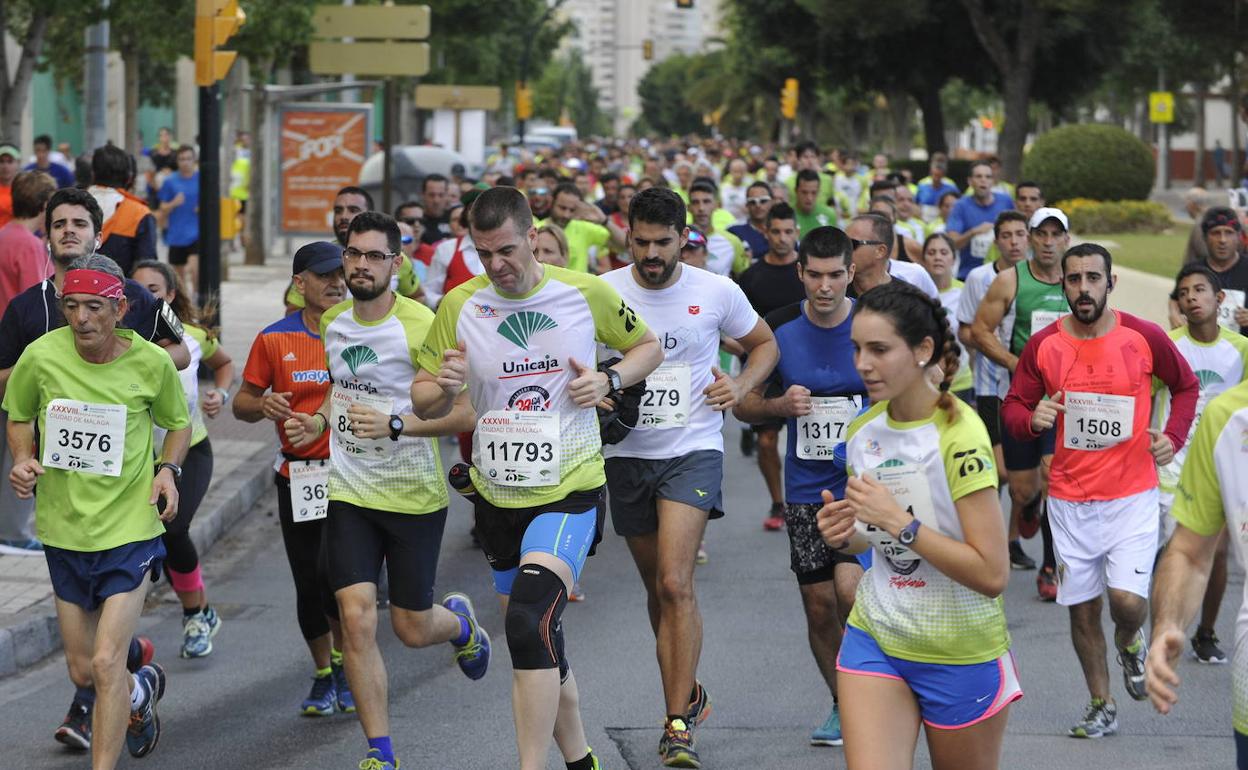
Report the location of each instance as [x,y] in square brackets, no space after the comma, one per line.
[137,692]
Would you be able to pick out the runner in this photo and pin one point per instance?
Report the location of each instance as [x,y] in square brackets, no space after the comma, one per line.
[93,392]
[1096,368]
[939,256]
[811,209]
[1219,357]
[753,232]
[1211,490]
[872,238]
[179,213]
[933,188]
[541,323]
[970,224]
[285,374]
[1020,303]
[1224,238]
[349,203]
[818,392]
[726,254]
[434,199]
[590,232]
[200,622]
[665,475]
[926,642]
[129,231]
[387,494]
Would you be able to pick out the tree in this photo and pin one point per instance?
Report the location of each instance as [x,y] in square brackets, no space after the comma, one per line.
[664,109]
[566,86]
[27,21]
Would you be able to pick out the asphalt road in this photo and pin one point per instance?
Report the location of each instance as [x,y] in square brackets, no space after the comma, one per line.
[237,708]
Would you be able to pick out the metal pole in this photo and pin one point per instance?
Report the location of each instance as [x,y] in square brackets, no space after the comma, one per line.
[96,77]
[210,197]
[387,139]
[1163,143]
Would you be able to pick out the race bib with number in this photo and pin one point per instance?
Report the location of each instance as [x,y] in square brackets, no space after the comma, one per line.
[309,489]
[666,401]
[1040,319]
[1226,311]
[981,244]
[90,438]
[908,486]
[819,432]
[340,402]
[1096,421]
[519,449]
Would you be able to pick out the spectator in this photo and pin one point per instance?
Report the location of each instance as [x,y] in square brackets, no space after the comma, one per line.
[60,173]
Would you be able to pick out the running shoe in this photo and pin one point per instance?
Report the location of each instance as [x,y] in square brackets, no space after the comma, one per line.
[197,632]
[702,557]
[474,655]
[1029,518]
[747,442]
[374,762]
[146,651]
[1205,648]
[830,733]
[323,698]
[576,594]
[676,745]
[144,731]
[1046,584]
[1100,719]
[699,704]
[21,547]
[1132,661]
[343,696]
[1019,559]
[775,518]
[75,731]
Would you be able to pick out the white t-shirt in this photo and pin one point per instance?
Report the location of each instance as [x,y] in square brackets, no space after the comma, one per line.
[991,379]
[688,318]
[732,197]
[914,275]
[720,254]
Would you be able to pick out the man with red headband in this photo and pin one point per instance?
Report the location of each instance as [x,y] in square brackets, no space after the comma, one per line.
[93,392]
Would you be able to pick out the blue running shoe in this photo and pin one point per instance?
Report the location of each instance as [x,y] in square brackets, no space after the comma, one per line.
[374,762]
[473,656]
[144,731]
[346,701]
[197,633]
[830,733]
[321,701]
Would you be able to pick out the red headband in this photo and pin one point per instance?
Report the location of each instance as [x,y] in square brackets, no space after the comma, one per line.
[1221,219]
[93,282]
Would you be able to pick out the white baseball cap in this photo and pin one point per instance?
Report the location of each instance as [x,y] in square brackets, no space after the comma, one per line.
[1048,212]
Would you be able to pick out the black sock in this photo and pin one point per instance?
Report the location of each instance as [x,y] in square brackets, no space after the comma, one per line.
[584,763]
[1046,534]
[187,613]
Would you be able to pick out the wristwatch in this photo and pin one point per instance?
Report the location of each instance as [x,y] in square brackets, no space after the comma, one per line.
[907,535]
[173,467]
[225,395]
[613,378]
[396,427]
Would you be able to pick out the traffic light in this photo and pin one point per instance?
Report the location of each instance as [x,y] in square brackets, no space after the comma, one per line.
[524,102]
[684,3]
[647,49]
[788,99]
[216,21]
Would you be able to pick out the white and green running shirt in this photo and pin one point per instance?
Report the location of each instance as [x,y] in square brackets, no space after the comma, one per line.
[373,363]
[1213,491]
[1218,365]
[911,609]
[519,350]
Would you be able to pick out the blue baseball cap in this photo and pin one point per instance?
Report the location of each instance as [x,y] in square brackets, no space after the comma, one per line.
[320,257]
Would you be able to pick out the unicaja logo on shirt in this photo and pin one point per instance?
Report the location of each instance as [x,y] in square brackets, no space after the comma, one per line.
[519,327]
[357,356]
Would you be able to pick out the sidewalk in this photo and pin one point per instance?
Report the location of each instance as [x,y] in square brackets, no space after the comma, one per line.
[242,474]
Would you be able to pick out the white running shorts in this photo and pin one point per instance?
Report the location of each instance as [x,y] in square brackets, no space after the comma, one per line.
[1103,543]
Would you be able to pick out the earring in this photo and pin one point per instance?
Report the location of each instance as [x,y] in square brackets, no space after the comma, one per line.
[922,364]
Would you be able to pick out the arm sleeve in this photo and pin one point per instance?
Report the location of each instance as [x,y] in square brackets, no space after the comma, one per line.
[259,369]
[1026,390]
[968,305]
[740,318]
[968,458]
[442,335]
[616,325]
[1170,367]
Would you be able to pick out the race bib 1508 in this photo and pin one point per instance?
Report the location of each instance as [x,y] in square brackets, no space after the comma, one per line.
[1096,421]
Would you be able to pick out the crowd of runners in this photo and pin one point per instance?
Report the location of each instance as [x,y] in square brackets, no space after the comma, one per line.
[579,325]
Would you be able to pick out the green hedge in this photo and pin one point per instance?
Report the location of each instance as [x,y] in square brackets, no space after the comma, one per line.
[1100,162]
[1089,217]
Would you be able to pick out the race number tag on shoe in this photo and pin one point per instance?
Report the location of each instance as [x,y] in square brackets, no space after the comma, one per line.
[1040,319]
[981,244]
[1226,311]
[90,438]
[309,489]
[519,449]
[819,432]
[340,402]
[908,486]
[666,401]
[1096,421]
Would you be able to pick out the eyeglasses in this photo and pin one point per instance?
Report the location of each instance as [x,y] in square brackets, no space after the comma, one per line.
[855,243]
[757,201]
[410,221]
[352,254]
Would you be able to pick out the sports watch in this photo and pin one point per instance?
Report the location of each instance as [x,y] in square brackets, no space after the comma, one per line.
[396,427]
[613,378]
[174,468]
[907,535]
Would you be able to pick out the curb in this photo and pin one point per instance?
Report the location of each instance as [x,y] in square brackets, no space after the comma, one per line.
[228,500]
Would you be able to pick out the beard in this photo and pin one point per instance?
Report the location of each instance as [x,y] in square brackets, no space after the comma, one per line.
[1087,315]
[366,293]
[664,275]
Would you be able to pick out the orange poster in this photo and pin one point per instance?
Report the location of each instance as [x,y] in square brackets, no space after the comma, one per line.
[323,150]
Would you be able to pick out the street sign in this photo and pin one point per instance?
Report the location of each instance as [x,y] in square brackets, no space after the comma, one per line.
[377,22]
[323,148]
[458,97]
[377,59]
[1161,107]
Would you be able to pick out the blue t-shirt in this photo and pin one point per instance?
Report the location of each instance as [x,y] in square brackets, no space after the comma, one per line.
[63,175]
[752,238]
[823,361]
[967,214]
[183,227]
[929,194]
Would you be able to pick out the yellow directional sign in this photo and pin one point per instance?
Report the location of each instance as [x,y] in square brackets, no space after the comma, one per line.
[378,59]
[377,22]
[1161,107]
[458,97]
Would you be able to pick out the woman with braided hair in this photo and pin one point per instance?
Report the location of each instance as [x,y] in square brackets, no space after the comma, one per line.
[926,642]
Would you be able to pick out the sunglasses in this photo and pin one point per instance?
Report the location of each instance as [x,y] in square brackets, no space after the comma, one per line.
[410,221]
[540,191]
[855,243]
[757,201]
[696,240]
